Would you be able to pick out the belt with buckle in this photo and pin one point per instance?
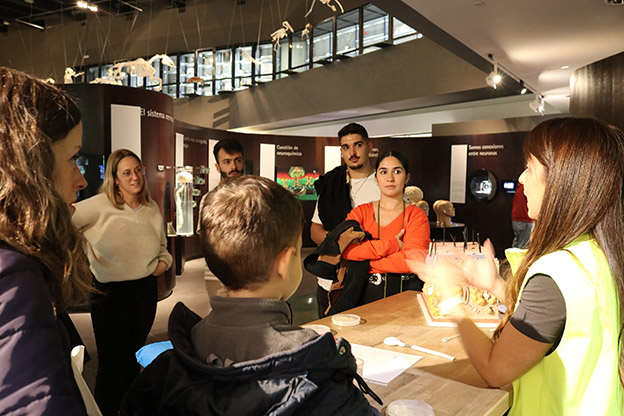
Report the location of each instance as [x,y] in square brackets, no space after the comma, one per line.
[377,278]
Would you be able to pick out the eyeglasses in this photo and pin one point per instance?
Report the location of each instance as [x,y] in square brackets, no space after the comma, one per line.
[127,174]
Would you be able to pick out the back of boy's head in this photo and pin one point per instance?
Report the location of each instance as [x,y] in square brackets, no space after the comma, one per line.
[245,223]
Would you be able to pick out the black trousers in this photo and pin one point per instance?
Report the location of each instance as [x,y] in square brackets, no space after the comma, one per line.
[122,317]
[322,301]
[391,285]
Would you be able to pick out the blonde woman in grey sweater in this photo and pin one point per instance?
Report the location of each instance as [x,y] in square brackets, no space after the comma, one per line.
[127,249]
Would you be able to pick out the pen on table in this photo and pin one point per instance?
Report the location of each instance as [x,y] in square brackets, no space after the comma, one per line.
[432,352]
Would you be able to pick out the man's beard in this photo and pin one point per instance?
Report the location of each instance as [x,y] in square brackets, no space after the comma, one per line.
[357,167]
[225,175]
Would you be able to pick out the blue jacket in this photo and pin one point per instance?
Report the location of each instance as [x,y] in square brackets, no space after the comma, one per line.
[35,367]
[315,379]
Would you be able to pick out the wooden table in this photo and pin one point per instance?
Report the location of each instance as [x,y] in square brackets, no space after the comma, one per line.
[450,387]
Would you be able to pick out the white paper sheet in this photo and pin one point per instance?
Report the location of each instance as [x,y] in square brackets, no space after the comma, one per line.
[382,366]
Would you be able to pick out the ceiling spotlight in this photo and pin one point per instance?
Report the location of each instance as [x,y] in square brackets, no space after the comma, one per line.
[84,5]
[537,105]
[523,88]
[494,78]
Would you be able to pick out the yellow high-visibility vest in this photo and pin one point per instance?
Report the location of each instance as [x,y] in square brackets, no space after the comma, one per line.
[581,376]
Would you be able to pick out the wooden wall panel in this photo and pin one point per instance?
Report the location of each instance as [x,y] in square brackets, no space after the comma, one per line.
[597,90]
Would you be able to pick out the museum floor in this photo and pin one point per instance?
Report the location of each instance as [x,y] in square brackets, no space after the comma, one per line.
[190,289]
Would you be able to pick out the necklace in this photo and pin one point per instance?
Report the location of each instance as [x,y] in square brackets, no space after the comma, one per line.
[355,192]
[379,219]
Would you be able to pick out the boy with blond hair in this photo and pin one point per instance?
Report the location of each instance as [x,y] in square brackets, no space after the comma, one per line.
[246,357]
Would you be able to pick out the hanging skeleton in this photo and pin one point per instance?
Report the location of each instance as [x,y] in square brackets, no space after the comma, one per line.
[281,33]
[254,61]
[305,34]
[70,74]
[139,67]
[327,3]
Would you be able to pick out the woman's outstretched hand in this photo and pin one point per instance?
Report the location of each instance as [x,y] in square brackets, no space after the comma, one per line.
[484,273]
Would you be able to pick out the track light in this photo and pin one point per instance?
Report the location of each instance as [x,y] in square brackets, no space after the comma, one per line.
[84,5]
[523,88]
[537,105]
[494,78]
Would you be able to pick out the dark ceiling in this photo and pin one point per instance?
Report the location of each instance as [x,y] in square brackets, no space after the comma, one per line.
[40,13]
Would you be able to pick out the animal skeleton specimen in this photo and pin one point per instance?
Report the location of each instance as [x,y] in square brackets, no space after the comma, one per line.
[254,61]
[328,4]
[139,67]
[305,34]
[281,33]
[193,80]
[68,78]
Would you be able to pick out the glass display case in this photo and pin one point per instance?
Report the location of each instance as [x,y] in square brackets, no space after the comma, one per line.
[170,78]
[282,58]
[223,70]
[184,201]
[300,52]
[205,70]
[187,71]
[153,85]
[264,55]
[347,33]
[242,67]
[322,41]
[375,26]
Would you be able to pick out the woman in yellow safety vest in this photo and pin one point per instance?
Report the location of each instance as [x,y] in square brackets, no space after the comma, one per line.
[560,342]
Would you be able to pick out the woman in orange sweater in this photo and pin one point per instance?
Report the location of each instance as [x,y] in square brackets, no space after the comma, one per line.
[396,227]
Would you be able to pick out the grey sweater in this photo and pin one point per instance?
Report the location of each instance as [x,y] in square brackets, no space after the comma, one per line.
[244,329]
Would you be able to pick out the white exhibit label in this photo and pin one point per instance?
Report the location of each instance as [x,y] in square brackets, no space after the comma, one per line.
[267,160]
[126,128]
[332,157]
[459,163]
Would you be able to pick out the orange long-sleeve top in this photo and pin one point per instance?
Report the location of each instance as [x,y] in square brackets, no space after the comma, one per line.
[383,251]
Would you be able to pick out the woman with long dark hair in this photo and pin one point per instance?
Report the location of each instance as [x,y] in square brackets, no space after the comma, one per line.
[560,342]
[396,227]
[127,249]
[43,269]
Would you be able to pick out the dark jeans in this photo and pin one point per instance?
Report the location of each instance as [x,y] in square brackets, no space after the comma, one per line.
[122,318]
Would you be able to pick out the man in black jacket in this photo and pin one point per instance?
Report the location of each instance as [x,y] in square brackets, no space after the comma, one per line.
[342,189]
